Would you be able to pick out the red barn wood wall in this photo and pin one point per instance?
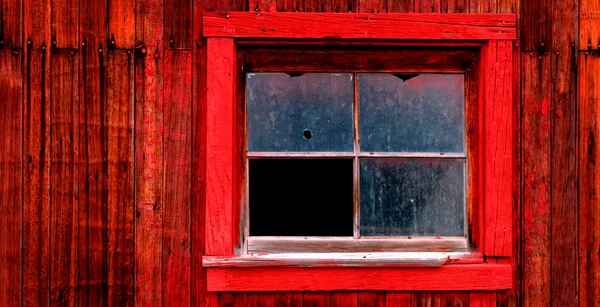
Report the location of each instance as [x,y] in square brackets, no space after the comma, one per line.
[101,150]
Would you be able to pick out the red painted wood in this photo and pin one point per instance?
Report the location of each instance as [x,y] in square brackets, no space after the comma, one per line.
[372,6]
[220,119]
[535,82]
[287,6]
[11,196]
[456,6]
[177,156]
[230,299]
[537,25]
[371,299]
[344,6]
[343,298]
[589,29]
[178,24]
[428,6]
[288,299]
[322,6]
[450,277]
[120,174]
[317,299]
[360,26]
[11,25]
[483,6]
[64,156]
[64,23]
[427,299]
[482,299]
[398,298]
[589,180]
[262,5]
[401,6]
[261,299]
[456,298]
[499,153]
[121,23]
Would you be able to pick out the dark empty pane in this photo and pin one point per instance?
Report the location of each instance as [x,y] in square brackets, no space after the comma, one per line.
[301,197]
[412,197]
[309,112]
[412,113]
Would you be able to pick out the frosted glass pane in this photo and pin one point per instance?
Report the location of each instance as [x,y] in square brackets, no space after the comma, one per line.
[411,113]
[310,112]
[412,197]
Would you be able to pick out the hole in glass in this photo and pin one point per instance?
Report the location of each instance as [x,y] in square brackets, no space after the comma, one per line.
[307,134]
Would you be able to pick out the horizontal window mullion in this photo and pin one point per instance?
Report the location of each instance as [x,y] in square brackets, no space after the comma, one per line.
[442,155]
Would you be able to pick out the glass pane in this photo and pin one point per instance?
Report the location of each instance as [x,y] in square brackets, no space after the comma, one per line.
[301,197]
[411,113]
[412,197]
[310,112]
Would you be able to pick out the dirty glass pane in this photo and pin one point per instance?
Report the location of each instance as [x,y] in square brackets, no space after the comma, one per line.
[309,112]
[412,197]
[411,113]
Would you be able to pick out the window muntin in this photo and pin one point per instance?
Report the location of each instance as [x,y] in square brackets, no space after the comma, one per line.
[281,108]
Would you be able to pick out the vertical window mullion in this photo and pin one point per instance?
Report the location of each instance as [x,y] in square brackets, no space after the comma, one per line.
[356,166]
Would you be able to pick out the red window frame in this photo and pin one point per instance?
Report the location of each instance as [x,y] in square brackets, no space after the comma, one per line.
[491,34]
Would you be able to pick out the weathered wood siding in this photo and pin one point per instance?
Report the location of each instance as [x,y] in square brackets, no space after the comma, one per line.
[102,141]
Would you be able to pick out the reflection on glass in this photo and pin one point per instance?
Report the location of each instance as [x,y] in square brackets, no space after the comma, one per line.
[411,113]
[310,112]
[412,197]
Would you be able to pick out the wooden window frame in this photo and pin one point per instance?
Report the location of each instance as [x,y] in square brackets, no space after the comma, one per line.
[240,40]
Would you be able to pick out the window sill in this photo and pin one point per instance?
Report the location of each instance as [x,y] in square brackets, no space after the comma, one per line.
[320,260]
[271,273]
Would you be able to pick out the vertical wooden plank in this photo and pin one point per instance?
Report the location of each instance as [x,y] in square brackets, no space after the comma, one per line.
[64,122]
[428,6]
[11,23]
[36,153]
[398,298]
[316,299]
[121,23]
[344,298]
[93,149]
[427,299]
[372,6]
[65,23]
[482,299]
[178,155]
[261,299]
[11,137]
[371,299]
[120,206]
[220,146]
[289,299]
[535,82]
[233,299]
[262,5]
[535,26]
[178,24]
[342,6]
[483,6]
[455,6]
[321,6]
[401,6]
[149,153]
[589,180]
[563,118]
[282,5]
[589,24]
[455,299]
[498,144]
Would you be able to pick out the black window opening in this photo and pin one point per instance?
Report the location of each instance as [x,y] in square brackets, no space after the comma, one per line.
[356,154]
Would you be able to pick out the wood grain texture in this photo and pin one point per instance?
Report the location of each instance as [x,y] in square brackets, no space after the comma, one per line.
[288,299]
[450,277]
[121,23]
[11,23]
[498,144]
[322,6]
[283,5]
[535,82]
[456,6]
[220,146]
[456,298]
[360,26]
[371,6]
[398,298]
[317,299]
[120,174]
[371,299]
[428,6]
[482,299]
[483,6]
[178,24]
[261,299]
[262,5]
[589,27]
[228,299]
[563,164]
[11,195]
[344,298]
[536,25]
[93,167]
[589,180]
[64,158]
[427,299]
[401,6]
[177,159]
[65,23]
